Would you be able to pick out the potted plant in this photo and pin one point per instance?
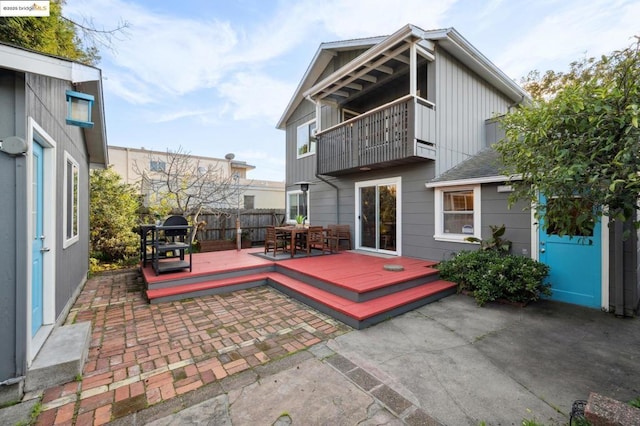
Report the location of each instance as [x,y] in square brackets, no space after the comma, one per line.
[300,219]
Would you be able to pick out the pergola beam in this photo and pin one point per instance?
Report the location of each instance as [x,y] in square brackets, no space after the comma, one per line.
[366,69]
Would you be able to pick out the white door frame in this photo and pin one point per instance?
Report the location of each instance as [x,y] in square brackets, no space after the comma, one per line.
[397,181]
[37,133]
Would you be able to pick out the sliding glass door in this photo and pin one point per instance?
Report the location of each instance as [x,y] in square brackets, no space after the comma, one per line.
[377,215]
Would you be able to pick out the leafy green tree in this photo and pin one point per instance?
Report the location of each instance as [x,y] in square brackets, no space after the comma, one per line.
[53,34]
[113,215]
[578,142]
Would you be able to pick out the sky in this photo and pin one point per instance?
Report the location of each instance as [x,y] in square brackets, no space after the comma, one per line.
[213,77]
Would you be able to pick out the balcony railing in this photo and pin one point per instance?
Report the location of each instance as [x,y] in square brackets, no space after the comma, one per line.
[401,131]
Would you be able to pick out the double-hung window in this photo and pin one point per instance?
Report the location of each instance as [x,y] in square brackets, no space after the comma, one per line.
[71,200]
[457,213]
[297,205]
[305,139]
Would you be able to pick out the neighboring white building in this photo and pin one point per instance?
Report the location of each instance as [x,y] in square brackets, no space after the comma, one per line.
[132,163]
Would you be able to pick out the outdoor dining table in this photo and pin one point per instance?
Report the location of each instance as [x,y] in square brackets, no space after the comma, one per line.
[293,231]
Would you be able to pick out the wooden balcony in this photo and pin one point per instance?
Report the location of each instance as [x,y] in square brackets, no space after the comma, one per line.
[402,131]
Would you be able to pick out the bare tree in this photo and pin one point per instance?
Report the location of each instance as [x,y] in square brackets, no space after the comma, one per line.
[92,36]
[183,184]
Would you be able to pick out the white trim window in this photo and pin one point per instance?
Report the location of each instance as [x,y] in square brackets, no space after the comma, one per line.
[71,199]
[306,139]
[297,205]
[457,213]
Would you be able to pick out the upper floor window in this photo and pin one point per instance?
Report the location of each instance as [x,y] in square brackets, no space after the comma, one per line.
[306,139]
[157,166]
[457,214]
[71,200]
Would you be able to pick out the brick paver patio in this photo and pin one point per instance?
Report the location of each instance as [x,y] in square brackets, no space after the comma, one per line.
[141,354]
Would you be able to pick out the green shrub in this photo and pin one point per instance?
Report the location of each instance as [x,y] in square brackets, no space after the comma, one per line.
[489,276]
[112,217]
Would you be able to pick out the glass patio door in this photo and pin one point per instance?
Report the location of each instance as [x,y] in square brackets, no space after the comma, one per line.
[377,208]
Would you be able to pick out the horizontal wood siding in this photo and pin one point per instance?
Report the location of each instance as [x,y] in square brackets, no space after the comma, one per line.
[517,219]
[46,103]
[464,101]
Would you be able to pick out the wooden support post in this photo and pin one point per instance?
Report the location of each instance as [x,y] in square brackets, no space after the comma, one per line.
[238,234]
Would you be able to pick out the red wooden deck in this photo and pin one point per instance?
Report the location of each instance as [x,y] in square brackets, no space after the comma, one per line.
[211,263]
[354,288]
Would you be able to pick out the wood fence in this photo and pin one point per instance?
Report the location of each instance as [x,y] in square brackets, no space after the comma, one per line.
[221,225]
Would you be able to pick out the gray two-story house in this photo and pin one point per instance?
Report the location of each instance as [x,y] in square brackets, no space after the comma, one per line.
[393,135]
[52,131]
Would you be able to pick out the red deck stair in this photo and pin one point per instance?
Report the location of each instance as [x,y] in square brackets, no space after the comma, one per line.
[351,288]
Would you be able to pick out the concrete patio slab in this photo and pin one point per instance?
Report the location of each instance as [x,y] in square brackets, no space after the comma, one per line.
[463,364]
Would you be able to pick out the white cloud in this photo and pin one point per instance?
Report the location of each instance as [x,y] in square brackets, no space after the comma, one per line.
[366,18]
[569,32]
[160,55]
[178,115]
[268,164]
[256,95]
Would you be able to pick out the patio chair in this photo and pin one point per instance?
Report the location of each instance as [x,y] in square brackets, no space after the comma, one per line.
[275,240]
[317,239]
[338,233]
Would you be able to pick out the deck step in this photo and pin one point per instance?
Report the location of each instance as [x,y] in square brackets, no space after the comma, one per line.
[358,290]
[369,289]
[218,286]
[362,314]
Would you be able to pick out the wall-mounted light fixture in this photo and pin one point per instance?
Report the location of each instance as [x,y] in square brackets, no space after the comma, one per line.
[304,186]
[79,109]
[13,145]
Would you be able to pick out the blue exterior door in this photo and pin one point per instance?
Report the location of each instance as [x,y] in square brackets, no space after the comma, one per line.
[38,239]
[576,266]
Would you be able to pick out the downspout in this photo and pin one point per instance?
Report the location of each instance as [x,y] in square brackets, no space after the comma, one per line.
[12,381]
[337,196]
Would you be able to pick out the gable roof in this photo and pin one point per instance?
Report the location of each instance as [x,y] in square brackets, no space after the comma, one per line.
[320,60]
[86,78]
[383,48]
[484,167]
